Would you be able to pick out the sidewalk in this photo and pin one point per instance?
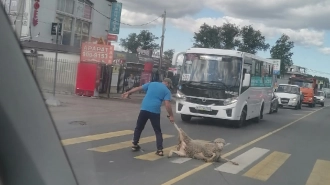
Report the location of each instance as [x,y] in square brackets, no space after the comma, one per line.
[135,98]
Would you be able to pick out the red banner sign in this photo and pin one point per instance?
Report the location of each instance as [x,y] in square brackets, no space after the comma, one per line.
[96,53]
[111,37]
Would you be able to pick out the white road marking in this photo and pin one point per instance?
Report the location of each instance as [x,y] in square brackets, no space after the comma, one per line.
[243,160]
[183,160]
[180,160]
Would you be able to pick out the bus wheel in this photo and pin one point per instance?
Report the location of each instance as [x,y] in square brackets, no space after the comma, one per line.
[185,118]
[241,122]
[261,115]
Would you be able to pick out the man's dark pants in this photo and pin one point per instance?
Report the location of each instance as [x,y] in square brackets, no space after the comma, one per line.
[144,116]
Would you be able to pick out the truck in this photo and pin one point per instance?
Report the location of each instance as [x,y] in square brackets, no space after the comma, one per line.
[308,87]
[224,84]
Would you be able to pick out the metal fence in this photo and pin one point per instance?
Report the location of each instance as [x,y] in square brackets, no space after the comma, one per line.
[43,70]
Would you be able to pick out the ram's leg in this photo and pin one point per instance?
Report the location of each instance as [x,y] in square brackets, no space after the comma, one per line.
[227,160]
[179,153]
[199,156]
[211,159]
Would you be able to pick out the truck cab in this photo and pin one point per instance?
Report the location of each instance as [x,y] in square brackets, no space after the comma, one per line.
[308,87]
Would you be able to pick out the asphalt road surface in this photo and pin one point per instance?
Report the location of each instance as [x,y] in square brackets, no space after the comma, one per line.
[290,147]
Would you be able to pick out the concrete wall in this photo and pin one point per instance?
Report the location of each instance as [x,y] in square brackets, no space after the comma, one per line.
[100,24]
[46,15]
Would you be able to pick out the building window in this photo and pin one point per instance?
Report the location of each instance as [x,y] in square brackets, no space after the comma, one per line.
[84,9]
[66,6]
[67,27]
[73,13]
[81,32]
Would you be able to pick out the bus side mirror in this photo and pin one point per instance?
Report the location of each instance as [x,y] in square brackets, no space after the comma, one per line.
[246,81]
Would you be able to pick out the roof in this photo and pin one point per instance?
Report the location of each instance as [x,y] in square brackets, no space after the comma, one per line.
[226,52]
[211,51]
[289,85]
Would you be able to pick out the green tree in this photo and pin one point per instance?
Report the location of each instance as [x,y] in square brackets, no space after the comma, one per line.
[252,40]
[282,50]
[168,54]
[207,37]
[227,37]
[145,40]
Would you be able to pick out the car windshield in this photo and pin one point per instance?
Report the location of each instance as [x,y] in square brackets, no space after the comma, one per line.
[319,94]
[216,69]
[288,89]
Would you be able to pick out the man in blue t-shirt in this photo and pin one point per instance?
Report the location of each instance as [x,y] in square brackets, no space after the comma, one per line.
[156,93]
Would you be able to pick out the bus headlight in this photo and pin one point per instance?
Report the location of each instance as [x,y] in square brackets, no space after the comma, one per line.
[229,101]
[180,95]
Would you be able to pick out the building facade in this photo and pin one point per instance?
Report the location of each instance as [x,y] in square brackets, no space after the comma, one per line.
[81,19]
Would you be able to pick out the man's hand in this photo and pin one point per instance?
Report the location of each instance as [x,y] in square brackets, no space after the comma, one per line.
[171,118]
[125,95]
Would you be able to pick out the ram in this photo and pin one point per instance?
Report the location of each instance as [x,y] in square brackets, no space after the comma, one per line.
[201,150]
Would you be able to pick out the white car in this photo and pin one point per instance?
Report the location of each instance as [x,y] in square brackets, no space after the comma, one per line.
[320,96]
[289,96]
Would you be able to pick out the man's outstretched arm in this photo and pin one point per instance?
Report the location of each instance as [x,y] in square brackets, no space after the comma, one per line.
[125,94]
[135,89]
[168,107]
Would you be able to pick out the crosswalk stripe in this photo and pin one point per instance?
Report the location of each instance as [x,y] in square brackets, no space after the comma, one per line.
[95,137]
[152,156]
[125,144]
[180,160]
[268,166]
[320,173]
[243,160]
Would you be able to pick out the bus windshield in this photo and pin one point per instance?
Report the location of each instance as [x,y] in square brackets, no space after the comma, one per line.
[201,68]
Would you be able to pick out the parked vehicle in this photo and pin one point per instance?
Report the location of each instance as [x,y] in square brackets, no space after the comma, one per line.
[326,92]
[289,96]
[274,104]
[319,97]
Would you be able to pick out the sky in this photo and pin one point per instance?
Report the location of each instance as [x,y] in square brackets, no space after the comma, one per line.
[306,22]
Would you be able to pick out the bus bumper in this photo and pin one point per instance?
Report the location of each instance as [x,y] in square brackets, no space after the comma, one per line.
[227,112]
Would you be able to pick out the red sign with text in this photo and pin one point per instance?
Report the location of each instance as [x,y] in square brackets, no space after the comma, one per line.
[96,53]
[111,37]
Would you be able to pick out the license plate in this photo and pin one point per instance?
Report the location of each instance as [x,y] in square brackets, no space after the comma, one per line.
[203,108]
[285,101]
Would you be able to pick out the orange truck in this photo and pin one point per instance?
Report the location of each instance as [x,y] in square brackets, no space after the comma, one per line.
[308,87]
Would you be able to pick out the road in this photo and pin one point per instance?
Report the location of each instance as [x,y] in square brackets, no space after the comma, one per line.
[289,147]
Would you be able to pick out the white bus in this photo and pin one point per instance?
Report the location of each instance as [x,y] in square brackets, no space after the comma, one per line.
[224,84]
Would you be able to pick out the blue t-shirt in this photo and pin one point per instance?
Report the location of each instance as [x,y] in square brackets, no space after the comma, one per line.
[157,92]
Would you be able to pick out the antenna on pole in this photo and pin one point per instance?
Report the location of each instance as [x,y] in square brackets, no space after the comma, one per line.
[162,48]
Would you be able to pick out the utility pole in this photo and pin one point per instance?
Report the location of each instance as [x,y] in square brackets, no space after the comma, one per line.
[162,48]
[53,101]
[56,53]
